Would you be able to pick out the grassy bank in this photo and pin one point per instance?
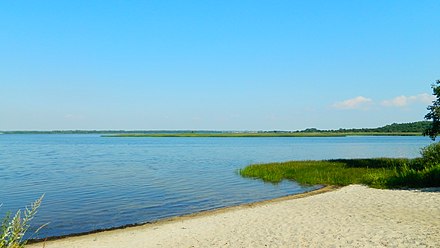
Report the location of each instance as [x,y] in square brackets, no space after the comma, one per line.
[266,134]
[378,172]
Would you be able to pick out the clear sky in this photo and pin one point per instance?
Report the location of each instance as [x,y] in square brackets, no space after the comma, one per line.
[223,65]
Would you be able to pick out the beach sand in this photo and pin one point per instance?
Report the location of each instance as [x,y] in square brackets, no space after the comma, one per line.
[352,216]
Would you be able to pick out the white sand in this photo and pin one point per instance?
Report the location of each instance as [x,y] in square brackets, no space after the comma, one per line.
[353,216]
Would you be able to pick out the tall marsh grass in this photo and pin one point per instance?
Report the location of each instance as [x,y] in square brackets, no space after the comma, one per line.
[375,172]
[13,229]
[329,172]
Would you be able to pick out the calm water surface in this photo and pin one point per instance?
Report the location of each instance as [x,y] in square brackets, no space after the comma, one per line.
[93,183]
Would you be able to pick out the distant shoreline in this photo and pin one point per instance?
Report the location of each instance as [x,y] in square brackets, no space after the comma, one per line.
[217,134]
[257,134]
[395,129]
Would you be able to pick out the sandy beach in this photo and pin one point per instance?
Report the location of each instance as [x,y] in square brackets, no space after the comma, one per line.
[352,216]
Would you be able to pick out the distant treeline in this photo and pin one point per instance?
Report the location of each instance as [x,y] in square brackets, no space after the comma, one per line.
[412,127]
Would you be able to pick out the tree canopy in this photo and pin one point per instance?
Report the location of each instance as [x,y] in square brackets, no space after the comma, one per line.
[434,113]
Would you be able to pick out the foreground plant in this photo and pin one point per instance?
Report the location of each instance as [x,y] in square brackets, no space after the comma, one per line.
[13,229]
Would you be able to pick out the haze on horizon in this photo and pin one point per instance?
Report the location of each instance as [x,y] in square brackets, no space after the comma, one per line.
[216,65]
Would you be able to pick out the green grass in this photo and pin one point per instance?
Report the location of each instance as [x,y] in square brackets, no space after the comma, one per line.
[265,134]
[327,172]
[376,172]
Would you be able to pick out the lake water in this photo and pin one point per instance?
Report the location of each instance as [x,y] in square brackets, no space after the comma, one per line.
[94,183]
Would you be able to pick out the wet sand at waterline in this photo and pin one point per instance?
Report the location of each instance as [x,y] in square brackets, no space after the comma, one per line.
[352,216]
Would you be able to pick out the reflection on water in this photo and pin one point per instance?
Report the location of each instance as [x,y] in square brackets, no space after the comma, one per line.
[93,183]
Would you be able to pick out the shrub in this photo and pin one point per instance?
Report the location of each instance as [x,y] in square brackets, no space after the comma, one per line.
[431,176]
[13,229]
[431,154]
[416,164]
[406,176]
[419,172]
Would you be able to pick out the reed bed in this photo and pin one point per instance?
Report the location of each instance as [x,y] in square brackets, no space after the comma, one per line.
[374,172]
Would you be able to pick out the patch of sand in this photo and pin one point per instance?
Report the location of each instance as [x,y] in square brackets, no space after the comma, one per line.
[352,216]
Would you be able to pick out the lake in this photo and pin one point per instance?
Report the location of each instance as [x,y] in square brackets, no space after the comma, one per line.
[91,182]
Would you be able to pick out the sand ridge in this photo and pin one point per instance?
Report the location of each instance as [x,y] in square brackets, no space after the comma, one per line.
[352,216]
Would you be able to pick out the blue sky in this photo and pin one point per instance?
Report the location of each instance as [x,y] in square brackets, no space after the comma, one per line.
[224,65]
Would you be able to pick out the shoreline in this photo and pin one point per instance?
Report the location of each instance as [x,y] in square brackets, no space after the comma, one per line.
[350,216]
[261,135]
[221,134]
[178,218]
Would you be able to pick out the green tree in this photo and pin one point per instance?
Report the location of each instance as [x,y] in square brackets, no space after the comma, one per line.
[434,113]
